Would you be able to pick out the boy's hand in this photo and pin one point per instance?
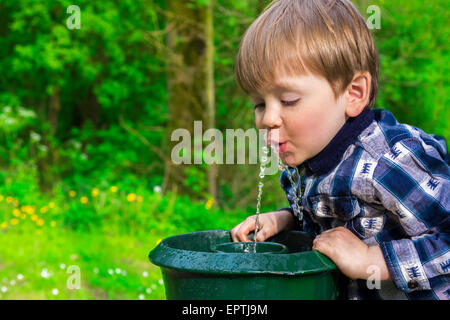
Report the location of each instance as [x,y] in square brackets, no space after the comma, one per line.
[352,256]
[270,224]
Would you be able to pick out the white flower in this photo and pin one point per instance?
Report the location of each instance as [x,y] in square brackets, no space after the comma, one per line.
[12,282]
[55,291]
[111,271]
[157,189]
[118,270]
[4,289]
[160,281]
[145,274]
[141,297]
[19,276]
[45,273]
[95,270]
[124,273]
[153,286]
[62,266]
[148,290]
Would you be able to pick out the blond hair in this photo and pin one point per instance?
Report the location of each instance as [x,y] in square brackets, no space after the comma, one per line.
[329,38]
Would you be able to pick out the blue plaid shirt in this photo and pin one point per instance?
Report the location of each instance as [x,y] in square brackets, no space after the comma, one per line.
[389,184]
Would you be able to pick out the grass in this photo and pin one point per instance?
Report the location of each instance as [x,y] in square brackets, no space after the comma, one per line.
[101,237]
[34,264]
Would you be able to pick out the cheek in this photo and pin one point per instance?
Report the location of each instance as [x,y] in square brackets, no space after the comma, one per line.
[258,120]
[307,125]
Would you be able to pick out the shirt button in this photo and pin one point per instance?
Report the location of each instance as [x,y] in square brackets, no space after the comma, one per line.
[413,284]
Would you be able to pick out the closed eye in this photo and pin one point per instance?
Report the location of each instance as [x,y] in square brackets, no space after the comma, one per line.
[290,103]
[260,105]
[285,103]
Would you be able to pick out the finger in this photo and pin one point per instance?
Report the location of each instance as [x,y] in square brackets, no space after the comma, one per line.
[234,232]
[247,226]
[262,235]
[324,245]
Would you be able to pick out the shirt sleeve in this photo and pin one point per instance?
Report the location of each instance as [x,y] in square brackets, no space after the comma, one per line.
[412,181]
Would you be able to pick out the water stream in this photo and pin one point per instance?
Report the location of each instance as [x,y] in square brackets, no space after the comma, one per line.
[296,190]
[264,161]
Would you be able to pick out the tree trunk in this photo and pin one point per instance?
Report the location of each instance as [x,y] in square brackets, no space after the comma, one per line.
[190,87]
[54,108]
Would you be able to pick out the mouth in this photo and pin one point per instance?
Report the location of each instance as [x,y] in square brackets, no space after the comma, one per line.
[279,147]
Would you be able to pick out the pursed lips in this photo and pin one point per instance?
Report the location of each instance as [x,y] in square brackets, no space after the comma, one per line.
[278,146]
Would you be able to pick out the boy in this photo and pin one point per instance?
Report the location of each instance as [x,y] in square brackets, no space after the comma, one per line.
[375,193]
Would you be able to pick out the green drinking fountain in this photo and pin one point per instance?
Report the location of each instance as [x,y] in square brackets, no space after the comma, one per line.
[207,265]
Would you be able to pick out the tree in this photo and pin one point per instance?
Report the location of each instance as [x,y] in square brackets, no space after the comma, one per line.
[190,86]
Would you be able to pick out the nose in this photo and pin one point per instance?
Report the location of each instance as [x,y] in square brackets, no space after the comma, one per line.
[272,116]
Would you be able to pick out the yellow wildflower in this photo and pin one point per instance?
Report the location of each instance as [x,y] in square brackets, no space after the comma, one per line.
[114,189]
[140,199]
[84,200]
[16,203]
[158,241]
[34,217]
[209,203]
[51,205]
[40,222]
[9,199]
[131,197]
[94,192]
[44,209]
[14,221]
[16,213]
[53,224]
[4,225]
[72,193]
[28,209]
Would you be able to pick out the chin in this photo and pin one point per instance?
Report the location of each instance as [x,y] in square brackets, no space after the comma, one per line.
[289,159]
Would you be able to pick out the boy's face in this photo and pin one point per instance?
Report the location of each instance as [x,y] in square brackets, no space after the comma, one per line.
[301,114]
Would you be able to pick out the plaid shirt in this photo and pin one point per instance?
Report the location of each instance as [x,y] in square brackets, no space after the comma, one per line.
[389,184]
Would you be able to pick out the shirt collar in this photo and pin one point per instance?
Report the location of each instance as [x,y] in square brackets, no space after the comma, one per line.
[330,156]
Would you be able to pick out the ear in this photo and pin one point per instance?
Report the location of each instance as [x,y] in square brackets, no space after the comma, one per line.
[358,93]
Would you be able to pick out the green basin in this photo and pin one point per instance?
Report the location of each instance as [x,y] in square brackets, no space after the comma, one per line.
[193,267]
[250,247]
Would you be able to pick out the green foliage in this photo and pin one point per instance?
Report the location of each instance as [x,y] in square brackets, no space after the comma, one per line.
[414,63]
[83,138]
